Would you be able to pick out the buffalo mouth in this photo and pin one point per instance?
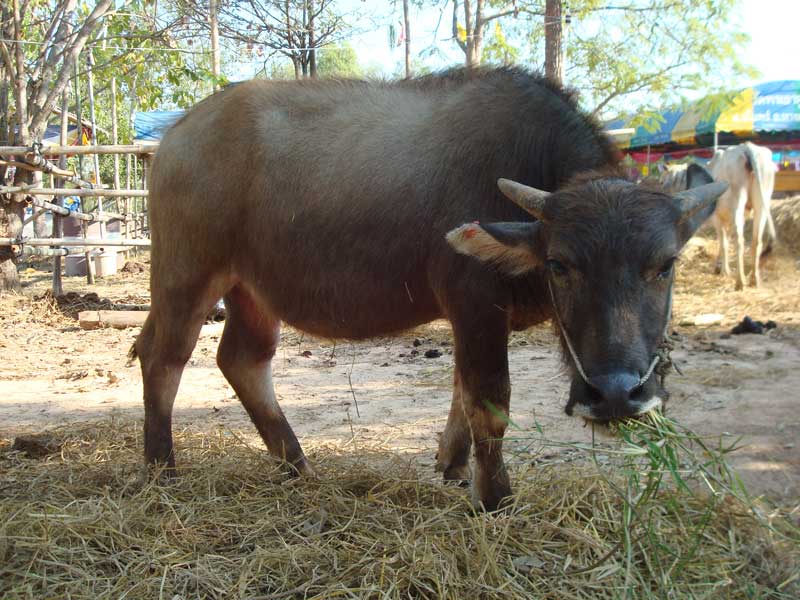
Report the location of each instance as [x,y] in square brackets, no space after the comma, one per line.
[585,403]
[591,414]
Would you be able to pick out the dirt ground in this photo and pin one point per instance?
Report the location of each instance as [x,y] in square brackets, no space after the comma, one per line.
[386,392]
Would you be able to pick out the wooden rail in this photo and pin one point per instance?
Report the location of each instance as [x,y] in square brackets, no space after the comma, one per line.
[74,242]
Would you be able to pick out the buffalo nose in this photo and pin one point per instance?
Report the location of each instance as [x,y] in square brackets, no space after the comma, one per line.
[615,388]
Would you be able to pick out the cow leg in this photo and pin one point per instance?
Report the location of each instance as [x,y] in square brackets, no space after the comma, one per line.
[738,225]
[759,223]
[722,261]
[249,341]
[482,364]
[164,346]
[452,459]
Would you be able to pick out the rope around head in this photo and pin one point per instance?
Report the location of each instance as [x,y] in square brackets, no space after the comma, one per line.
[661,354]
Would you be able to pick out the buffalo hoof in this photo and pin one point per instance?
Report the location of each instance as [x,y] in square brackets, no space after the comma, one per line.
[458,474]
[300,469]
[494,502]
[491,493]
[461,476]
[304,469]
[162,473]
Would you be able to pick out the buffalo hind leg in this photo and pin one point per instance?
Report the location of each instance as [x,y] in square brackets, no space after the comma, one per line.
[164,346]
[482,364]
[245,354]
[452,459]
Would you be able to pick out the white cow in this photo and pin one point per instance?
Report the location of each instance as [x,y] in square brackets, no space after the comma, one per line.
[750,173]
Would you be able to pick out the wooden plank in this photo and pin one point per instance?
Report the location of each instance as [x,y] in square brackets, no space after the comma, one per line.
[122,319]
[119,319]
[787,181]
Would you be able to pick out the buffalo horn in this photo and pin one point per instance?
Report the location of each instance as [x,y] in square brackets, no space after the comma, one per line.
[693,200]
[527,198]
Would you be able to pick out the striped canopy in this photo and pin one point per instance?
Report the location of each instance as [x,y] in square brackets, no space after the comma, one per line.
[767,108]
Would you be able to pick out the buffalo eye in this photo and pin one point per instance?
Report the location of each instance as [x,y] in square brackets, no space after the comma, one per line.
[665,270]
[556,268]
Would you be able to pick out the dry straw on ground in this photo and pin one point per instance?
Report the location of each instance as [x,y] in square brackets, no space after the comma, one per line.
[83,523]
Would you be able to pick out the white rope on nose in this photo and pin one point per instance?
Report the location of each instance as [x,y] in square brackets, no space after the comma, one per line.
[579,367]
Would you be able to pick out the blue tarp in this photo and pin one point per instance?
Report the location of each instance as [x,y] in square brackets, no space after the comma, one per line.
[150,126]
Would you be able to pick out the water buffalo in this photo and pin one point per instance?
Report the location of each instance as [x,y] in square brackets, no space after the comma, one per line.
[355,209]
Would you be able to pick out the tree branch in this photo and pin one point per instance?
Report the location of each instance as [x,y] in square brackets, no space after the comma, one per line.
[44,109]
[461,44]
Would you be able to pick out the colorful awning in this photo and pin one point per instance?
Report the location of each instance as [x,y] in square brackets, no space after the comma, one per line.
[767,108]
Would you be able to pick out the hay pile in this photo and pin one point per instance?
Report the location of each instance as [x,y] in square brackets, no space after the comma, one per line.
[82,523]
[786,215]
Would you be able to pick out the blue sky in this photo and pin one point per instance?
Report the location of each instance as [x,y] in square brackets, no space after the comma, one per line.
[773,25]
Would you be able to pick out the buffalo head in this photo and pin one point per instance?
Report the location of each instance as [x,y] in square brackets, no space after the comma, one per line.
[604,251]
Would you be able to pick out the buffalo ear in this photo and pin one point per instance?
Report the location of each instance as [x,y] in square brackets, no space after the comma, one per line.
[698,202]
[511,247]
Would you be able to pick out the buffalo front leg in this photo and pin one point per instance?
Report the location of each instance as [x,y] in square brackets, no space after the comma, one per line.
[249,341]
[452,459]
[482,364]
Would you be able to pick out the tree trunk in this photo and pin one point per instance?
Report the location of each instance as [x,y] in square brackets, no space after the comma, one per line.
[215,60]
[5,87]
[553,57]
[10,226]
[312,50]
[407,26]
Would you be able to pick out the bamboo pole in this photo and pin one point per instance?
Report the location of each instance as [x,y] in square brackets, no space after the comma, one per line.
[58,224]
[73,242]
[34,216]
[24,189]
[145,208]
[81,216]
[115,137]
[93,118]
[79,114]
[83,150]
[56,253]
[87,254]
[49,168]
